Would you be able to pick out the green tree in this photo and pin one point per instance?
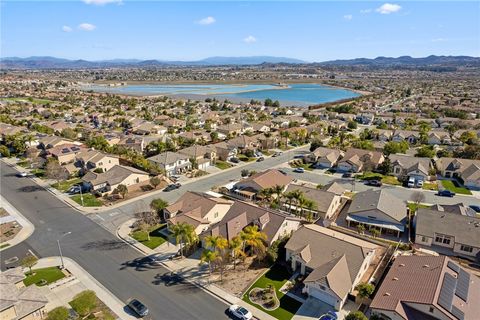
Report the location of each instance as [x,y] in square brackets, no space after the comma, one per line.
[122,190]
[59,313]
[425,151]
[352,125]
[4,151]
[216,243]
[356,315]
[254,239]
[155,181]
[236,249]
[157,205]
[268,102]
[393,147]
[361,229]
[184,235]
[84,302]
[374,232]
[365,290]
[69,133]
[210,257]
[29,261]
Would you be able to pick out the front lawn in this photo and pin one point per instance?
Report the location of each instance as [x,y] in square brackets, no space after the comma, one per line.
[65,185]
[454,187]
[277,276]
[50,275]
[89,200]
[156,237]
[299,164]
[40,173]
[222,165]
[246,159]
[378,176]
[430,186]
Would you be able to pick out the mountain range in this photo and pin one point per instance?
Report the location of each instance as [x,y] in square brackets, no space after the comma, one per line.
[403,61]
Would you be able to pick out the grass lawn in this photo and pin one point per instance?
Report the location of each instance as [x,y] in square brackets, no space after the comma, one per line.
[156,238]
[50,274]
[24,163]
[222,165]
[430,186]
[450,185]
[33,100]
[40,173]
[4,245]
[89,200]
[413,206]
[65,185]
[246,159]
[375,176]
[277,276]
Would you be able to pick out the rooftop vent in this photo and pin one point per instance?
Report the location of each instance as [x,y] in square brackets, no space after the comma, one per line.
[402,264]
[387,294]
[426,266]
[395,279]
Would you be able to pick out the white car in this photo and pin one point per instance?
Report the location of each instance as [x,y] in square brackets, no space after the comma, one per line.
[22,174]
[240,312]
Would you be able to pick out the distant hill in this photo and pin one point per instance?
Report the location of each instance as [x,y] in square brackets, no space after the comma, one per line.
[406,61]
[58,63]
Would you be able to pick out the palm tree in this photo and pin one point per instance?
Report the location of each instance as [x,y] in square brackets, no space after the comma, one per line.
[253,238]
[210,257]
[278,191]
[184,234]
[266,195]
[310,206]
[361,228]
[289,200]
[217,243]
[236,248]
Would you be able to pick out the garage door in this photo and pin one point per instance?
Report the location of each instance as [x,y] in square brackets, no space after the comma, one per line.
[323,296]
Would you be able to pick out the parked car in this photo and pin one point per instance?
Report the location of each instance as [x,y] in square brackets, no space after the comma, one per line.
[282,172]
[446,193]
[299,170]
[172,186]
[234,160]
[419,183]
[240,312]
[260,159]
[374,183]
[21,174]
[347,174]
[330,315]
[411,182]
[277,154]
[138,307]
[475,208]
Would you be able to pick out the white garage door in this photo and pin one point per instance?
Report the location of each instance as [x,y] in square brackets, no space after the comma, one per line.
[323,296]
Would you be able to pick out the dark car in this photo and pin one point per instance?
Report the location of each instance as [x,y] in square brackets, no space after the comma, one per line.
[234,160]
[374,183]
[446,193]
[138,307]
[475,208]
[172,186]
[347,175]
[260,159]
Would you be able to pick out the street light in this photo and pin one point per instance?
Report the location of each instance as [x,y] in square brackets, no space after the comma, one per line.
[60,249]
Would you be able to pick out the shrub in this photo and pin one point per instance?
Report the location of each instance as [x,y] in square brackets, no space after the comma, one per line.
[356,315]
[59,313]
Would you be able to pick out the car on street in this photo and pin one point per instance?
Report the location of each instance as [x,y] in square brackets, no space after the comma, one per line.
[172,186]
[240,312]
[446,193]
[475,208]
[138,307]
[347,175]
[299,170]
[277,154]
[260,159]
[21,174]
[282,172]
[374,183]
[234,160]
[330,315]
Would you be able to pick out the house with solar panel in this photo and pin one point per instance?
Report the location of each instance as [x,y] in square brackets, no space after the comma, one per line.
[427,288]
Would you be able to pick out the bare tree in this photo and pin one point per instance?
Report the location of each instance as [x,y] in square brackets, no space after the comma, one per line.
[417,197]
[53,170]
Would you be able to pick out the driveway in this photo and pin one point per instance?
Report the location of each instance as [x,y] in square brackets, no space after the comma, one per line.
[312,309]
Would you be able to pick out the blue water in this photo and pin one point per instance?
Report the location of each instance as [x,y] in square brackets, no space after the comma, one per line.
[295,93]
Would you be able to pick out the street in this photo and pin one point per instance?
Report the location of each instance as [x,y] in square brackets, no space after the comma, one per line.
[113,263]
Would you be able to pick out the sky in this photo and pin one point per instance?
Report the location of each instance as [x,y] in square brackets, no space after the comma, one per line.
[311,31]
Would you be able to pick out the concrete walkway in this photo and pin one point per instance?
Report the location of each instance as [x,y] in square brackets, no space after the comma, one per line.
[27,226]
[90,283]
[189,268]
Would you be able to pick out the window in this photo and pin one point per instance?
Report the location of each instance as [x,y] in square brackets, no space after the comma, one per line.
[466,248]
[431,309]
[323,288]
[215,215]
[424,239]
[442,239]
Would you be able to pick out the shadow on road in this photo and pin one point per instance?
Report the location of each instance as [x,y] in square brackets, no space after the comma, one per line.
[105,245]
[141,264]
[31,189]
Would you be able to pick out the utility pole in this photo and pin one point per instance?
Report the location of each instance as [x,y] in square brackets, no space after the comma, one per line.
[60,248]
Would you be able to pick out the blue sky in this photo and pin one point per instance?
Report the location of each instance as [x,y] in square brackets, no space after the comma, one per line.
[312,31]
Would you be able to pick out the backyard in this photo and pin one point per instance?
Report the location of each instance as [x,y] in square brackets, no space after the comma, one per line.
[455,187]
[50,275]
[89,200]
[156,236]
[277,276]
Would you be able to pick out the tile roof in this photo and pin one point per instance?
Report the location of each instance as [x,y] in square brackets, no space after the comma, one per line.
[382,200]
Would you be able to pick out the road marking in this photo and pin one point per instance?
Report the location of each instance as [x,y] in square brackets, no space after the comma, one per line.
[99,217]
[113,214]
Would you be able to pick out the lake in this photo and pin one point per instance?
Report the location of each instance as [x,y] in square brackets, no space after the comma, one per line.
[294,94]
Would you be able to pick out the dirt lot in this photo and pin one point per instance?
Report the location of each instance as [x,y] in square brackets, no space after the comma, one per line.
[9,230]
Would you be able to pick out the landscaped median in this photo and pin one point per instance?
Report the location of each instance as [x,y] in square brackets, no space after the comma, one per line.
[156,237]
[261,296]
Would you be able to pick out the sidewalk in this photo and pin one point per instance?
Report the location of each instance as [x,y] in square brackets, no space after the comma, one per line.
[90,283]
[27,226]
[189,268]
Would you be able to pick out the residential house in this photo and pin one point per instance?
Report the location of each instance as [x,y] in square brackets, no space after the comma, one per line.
[107,181]
[93,159]
[333,262]
[404,167]
[356,160]
[134,143]
[378,209]
[49,142]
[175,124]
[249,188]
[197,209]
[466,169]
[172,162]
[18,301]
[365,118]
[243,143]
[148,128]
[65,153]
[324,157]
[204,156]
[326,203]
[412,137]
[459,208]
[241,214]
[427,287]
[225,151]
[279,122]
[438,138]
[448,233]
[231,129]
[384,135]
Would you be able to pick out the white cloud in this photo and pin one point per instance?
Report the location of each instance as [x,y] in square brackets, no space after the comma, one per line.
[364,11]
[250,39]
[67,29]
[86,27]
[388,8]
[439,40]
[206,21]
[101,2]
[348,17]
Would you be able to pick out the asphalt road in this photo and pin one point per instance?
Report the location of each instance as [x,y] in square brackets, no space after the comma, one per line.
[113,263]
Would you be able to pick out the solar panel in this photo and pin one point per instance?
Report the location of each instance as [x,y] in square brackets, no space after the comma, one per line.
[457,313]
[453,266]
[447,291]
[463,285]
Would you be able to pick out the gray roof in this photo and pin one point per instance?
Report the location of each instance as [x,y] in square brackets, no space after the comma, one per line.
[410,163]
[168,158]
[323,199]
[465,229]
[113,176]
[382,200]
